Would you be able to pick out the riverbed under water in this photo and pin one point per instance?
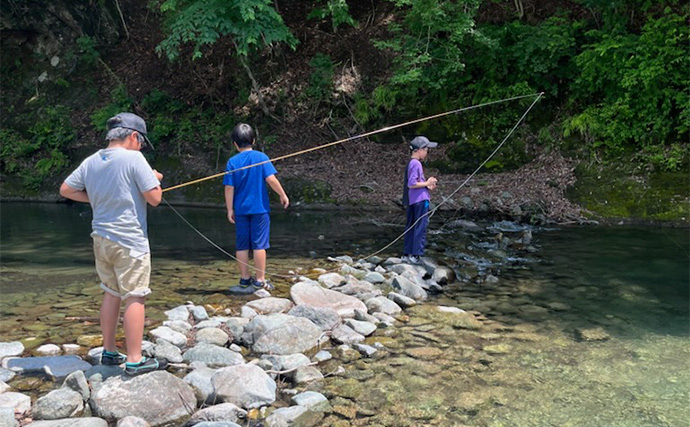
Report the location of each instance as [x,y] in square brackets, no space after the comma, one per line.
[527,364]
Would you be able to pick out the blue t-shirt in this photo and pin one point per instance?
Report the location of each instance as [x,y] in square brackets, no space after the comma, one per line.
[251,195]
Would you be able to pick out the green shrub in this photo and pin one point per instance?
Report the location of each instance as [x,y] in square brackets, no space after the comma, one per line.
[321,78]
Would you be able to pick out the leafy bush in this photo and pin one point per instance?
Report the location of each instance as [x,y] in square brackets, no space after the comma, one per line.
[120,102]
[338,10]
[321,79]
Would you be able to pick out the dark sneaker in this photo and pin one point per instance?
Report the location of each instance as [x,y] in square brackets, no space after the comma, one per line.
[146,365]
[245,283]
[263,285]
[110,358]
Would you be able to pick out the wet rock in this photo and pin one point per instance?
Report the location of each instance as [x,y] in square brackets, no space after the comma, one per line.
[345,335]
[322,356]
[347,411]
[174,338]
[60,403]
[313,401]
[346,353]
[374,277]
[199,313]
[178,313]
[90,340]
[342,258]
[323,317]
[246,386]
[148,396]
[167,351]
[11,349]
[497,349]
[366,350]
[213,336]
[331,280]
[311,294]
[227,412]
[454,318]
[385,319]
[443,275]
[362,328]
[382,304]
[200,380]
[72,422]
[591,334]
[48,350]
[363,316]
[425,353]
[57,367]
[401,300]
[76,381]
[18,402]
[532,312]
[271,305]
[294,416]
[356,272]
[287,362]
[307,374]
[490,278]
[559,306]
[130,421]
[283,334]
[409,289]
[212,355]
[407,269]
[356,287]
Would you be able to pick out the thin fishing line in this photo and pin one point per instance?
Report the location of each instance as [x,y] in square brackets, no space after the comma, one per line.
[363,135]
[432,211]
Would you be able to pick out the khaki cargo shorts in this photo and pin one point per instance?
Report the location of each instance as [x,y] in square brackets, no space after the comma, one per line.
[122,275]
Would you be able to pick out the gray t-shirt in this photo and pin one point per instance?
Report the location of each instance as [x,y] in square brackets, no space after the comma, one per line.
[114,179]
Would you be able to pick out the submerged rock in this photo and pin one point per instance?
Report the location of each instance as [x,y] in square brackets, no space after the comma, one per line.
[294,416]
[592,334]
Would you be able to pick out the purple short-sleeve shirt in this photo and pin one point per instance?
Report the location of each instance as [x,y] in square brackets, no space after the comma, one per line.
[415,174]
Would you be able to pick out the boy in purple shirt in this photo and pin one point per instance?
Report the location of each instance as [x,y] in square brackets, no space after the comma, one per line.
[416,199]
[246,199]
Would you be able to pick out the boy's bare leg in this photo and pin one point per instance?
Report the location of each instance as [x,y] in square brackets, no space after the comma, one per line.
[243,261]
[260,264]
[110,315]
[134,327]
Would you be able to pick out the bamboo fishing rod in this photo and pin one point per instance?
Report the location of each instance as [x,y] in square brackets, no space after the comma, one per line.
[363,135]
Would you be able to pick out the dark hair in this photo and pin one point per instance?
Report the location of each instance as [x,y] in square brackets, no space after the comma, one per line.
[243,135]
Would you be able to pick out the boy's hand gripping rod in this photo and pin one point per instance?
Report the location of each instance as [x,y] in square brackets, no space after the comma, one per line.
[363,135]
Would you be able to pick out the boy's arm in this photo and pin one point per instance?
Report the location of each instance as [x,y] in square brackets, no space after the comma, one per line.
[430,183]
[70,193]
[229,195]
[275,186]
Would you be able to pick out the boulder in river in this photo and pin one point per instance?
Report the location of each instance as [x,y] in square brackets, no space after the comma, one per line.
[246,386]
[323,317]
[311,294]
[282,334]
[212,355]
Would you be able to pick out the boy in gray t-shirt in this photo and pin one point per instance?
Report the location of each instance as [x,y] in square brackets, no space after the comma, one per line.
[118,183]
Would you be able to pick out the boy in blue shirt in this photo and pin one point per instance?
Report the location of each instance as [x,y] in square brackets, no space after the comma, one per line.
[246,199]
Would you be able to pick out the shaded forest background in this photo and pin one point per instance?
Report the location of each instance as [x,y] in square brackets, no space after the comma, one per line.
[615,76]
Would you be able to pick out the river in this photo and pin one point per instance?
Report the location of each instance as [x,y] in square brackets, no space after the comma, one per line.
[533,362]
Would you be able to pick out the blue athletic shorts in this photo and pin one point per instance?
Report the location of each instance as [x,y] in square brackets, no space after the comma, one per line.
[251,231]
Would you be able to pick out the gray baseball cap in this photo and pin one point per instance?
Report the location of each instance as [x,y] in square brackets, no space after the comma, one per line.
[129,121]
[421,142]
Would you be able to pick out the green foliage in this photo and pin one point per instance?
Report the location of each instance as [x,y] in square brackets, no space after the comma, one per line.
[251,24]
[87,50]
[321,79]
[41,153]
[120,102]
[338,10]
[633,90]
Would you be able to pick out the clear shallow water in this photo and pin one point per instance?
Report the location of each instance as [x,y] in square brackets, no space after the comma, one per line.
[524,365]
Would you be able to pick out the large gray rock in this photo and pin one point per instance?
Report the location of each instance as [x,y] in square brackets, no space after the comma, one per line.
[57,367]
[180,326]
[18,402]
[282,334]
[382,304]
[76,381]
[167,351]
[72,422]
[312,400]
[212,355]
[11,349]
[324,318]
[374,277]
[246,386]
[228,412]
[173,337]
[307,374]
[313,295]
[346,335]
[236,326]
[60,403]
[7,418]
[158,397]
[271,305]
[213,336]
[401,300]
[331,280]
[178,313]
[130,421]
[200,380]
[411,270]
[409,289]
[297,416]
[199,313]
[287,362]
